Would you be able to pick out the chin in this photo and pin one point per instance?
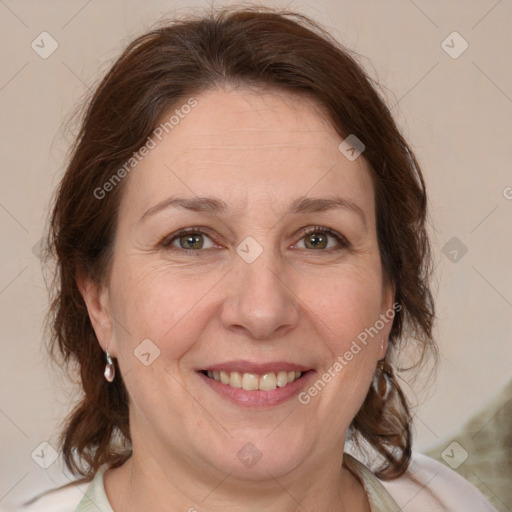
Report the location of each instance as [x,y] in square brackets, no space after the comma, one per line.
[258,457]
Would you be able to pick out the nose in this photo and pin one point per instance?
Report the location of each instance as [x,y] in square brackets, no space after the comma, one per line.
[260,302]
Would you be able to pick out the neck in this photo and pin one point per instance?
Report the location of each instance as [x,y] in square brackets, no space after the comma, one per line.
[147,482]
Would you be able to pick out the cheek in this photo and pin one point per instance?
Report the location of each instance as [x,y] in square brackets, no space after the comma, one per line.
[162,306]
[172,308]
[347,303]
[347,312]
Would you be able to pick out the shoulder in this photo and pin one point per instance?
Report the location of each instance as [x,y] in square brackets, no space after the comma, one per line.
[430,485]
[57,500]
[81,496]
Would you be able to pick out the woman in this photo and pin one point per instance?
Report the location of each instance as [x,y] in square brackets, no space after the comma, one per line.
[242,254]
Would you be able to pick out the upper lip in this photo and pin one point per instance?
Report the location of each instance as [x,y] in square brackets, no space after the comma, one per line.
[244,366]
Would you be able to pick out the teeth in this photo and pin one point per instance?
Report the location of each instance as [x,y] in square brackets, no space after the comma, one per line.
[268,381]
[252,381]
[235,380]
[282,379]
[249,381]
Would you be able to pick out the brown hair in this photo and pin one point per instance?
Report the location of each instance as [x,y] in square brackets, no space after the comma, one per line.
[245,46]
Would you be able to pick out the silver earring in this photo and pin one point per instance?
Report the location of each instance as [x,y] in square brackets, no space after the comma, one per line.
[382,381]
[110,369]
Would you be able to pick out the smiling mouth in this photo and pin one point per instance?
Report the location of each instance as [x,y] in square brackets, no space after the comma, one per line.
[253,381]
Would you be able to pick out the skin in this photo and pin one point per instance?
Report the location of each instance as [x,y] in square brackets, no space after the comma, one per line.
[257,152]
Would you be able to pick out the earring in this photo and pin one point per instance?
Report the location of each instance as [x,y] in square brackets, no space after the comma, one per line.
[381,382]
[110,369]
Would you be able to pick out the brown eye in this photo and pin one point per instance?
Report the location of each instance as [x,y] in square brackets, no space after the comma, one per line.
[324,240]
[316,240]
[191,241]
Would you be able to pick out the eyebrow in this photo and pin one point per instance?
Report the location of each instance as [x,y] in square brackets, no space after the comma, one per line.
[213,205]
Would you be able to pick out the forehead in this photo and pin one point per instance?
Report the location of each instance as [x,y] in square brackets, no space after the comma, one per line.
[239,144]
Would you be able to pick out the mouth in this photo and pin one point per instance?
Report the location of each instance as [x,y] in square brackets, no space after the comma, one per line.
[253,381]
[256,385]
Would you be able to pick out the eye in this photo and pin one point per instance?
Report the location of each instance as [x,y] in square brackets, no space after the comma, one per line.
[195,240]
[323,239]
[188,239]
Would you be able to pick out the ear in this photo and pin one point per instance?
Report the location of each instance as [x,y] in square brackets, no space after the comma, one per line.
[97,300]
[387,314]
[388,294]
[383,348]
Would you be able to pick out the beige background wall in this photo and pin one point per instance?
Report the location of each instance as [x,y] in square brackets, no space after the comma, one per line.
[456,112]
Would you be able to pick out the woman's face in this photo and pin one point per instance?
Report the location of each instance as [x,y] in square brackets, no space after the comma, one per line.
[280,273]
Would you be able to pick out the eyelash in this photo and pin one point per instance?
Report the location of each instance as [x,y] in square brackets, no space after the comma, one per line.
[168,240]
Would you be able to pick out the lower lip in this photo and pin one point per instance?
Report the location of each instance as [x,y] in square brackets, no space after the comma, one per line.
[259,398]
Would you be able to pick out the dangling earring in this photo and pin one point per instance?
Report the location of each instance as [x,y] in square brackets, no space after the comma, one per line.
[382,380]
[110,369]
